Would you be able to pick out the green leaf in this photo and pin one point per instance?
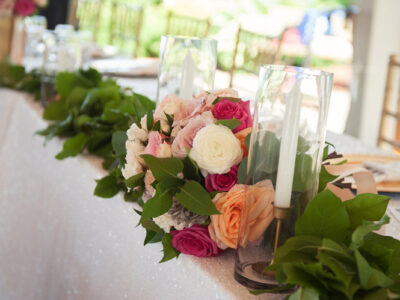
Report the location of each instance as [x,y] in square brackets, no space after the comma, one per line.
[150,225]
[118,141]
[233,99]
[163,167]
[195,198]
[231,124]
[190,169]
[367,227]
[326,217]
[155,238]
[143,105]
[65,83]
[369,207]
[242,171]
[157,126]
[169,251]
[364,269]
[55,111]
[76,97]
[158,205]
[324,178]
[73,146]
[107,187]
[304,294]
[337,267]
[305,244]
[135,180]
[376,294]
[150,121]
[278,289]
[149,236]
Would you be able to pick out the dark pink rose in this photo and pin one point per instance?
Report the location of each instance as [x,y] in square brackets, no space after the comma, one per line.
[24,7]
[222,182]
[195,240]
[226,109]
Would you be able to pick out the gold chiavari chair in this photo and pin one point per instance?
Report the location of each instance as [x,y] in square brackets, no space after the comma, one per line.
[187,26]
[391,110]
[126,23]
[251,51]
[88,16]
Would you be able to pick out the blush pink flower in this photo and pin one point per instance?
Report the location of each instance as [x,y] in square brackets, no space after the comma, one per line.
[227,109]
[184,138]
[195,240]
[24,7]
[156,146]
[222,182]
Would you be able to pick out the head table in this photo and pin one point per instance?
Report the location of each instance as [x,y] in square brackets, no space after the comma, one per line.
[59,241]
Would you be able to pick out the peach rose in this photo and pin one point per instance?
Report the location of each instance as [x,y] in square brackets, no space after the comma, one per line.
[241,136]
[252,205]
[184,138]
[173,105]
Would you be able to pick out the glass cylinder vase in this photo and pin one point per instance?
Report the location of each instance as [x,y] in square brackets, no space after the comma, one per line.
[285,154]
[187,66]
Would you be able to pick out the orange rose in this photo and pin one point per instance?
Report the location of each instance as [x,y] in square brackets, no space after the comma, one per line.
[241,136]
[255,210]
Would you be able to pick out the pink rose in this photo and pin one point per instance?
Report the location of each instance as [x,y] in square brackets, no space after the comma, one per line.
[156,146]
[184,138]
[24,7]
[194,240]
[222,182]
[226,109]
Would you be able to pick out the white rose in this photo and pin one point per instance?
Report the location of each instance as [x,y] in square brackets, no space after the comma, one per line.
[165,222]
[216,149]
[135,133]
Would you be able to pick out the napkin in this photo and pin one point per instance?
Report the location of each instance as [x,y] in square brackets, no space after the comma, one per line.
[384,171]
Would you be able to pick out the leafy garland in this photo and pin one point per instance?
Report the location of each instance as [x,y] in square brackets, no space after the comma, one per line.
[334,255]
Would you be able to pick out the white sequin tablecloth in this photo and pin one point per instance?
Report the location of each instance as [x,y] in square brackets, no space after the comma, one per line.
[58,241]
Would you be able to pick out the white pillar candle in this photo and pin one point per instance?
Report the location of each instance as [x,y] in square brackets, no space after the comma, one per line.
[288,149]
[186,87]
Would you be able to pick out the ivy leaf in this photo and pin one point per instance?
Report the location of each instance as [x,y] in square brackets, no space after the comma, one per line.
[163,167]
[367,227]
[107,187]
[304,293]
[169,251]
[135,180]
[118,141]
[65,83]
[369,207]
[195,198]
[364,269]
[326,217]
[231,123]
[55,111]
[305,244]
[73,146]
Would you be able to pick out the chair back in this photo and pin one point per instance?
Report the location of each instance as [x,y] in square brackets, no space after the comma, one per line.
[391,107]
[88,16]
[126,23]
[187,25]
[253,50]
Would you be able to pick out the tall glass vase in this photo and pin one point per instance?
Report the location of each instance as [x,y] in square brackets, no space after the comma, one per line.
[285,152]
[187,66]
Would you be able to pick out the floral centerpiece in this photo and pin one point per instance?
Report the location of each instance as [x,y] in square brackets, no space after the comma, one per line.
[182,164]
